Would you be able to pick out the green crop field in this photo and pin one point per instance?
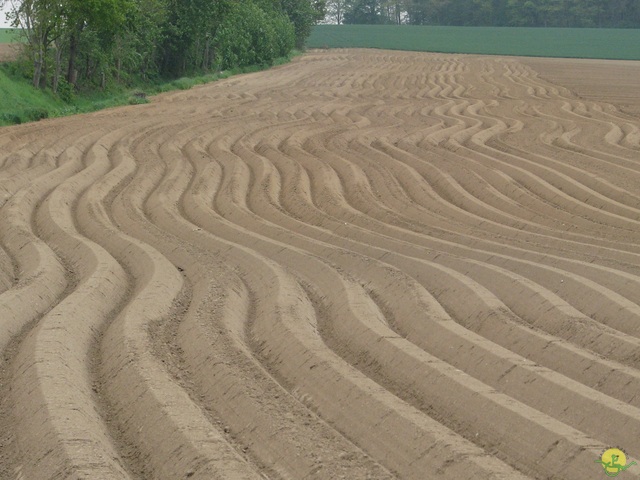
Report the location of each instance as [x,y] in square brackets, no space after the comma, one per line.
[619,44]
[8,35]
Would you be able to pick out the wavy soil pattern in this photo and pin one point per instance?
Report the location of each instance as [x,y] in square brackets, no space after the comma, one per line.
[360,265]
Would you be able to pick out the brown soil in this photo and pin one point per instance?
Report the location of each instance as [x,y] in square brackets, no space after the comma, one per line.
[8,51]
[360,265]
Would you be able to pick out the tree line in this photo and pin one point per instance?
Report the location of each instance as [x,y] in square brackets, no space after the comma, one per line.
[500,13]
[89,43]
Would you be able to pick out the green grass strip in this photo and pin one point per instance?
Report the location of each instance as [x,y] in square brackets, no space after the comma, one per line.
[21,103]
[618,44]
[8,35]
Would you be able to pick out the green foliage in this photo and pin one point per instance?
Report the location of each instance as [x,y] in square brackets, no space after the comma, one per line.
[188,33]
[20,101]
[364,12]
[138,98]
[98,44]
[35,114]
[66,91]
[24,103]
[183,83]
[81,54]
[249,36]
[529,13]
[285,38]
[103,16]
[547,42]
[303,14]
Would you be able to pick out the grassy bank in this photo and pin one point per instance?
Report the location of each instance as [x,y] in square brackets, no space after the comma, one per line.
[22,103]
[616,44]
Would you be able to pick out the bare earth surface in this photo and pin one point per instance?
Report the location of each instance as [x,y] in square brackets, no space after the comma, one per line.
[361,265]
[8,51]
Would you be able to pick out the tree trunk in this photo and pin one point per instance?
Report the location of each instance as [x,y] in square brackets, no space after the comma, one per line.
[57,69]
[37,68]
[73,51]
[206,60]
[44,74]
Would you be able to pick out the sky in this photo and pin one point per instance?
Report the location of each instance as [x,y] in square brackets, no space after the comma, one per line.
[3,22]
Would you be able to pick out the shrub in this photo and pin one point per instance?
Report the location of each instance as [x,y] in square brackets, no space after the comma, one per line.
[10,119]
[249,36]
[135,100]
[35,114]
[66,91]
[183,83]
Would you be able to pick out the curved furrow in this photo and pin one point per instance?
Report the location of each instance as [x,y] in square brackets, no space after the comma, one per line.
[563,190]
[592,144]
[362,264]
[251,404]
[17,162]
[451,193]
[405,204]
[366,204]
[265,202]
[37,281]
[583,302]
[607,344]
[294,262]
[59,431]
[447,195]
[461,193]
[20,180]
[593,428]
[152,413]
[596,184]
[413,176]
[39,156]
[591,122]
[415,314]
[39,274]
[493,272]
[607,135]
[350,173]
[520,75]
[17,147]
[31,269]
[285,341]
[561,142]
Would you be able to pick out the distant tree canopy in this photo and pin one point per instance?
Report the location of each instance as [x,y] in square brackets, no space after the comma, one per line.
[88,43]
[517,13]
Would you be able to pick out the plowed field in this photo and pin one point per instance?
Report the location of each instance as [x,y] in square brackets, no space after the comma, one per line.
[360,265]
[8,51]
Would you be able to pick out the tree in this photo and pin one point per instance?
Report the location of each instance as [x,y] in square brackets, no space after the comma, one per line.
[101,41]
[41,23]
[303,14]
[364,12]
[335,10]
[418,12]
[188,34]
[248,35]
[103,18]
[394,11]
